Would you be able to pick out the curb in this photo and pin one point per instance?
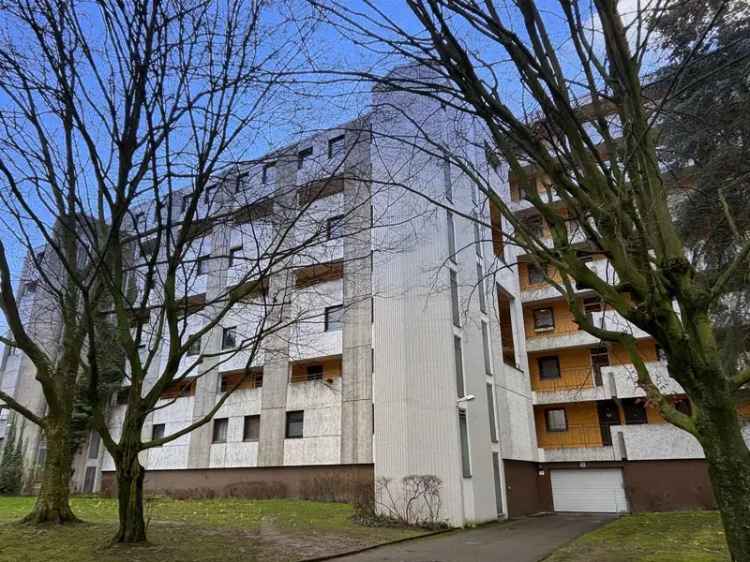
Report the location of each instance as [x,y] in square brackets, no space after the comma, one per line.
[374,546]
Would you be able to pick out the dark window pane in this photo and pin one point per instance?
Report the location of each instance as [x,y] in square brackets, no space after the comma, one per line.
[251,429]
[295,422]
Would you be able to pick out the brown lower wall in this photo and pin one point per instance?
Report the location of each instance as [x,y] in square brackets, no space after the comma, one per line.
[343,483]
[668,485]
[528,491]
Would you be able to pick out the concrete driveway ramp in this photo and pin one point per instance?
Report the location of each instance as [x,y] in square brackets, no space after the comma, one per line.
[522,540]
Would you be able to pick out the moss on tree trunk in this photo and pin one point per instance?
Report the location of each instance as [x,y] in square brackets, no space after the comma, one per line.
[728,460]
[132,522]
[53,502]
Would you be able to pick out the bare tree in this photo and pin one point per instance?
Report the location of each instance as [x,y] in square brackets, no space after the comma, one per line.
[105,106]
[567,112]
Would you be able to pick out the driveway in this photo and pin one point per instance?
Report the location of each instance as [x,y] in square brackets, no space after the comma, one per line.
[522,540]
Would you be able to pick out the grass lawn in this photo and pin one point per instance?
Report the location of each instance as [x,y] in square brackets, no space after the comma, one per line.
[695,536]
[223,529]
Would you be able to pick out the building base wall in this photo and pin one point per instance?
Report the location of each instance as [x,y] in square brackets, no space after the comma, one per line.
[343,483]
[668,485]
[656,485]
[527,490]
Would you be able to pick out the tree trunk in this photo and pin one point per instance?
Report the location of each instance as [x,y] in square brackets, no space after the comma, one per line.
[130,475]
[53,502]
[728,461]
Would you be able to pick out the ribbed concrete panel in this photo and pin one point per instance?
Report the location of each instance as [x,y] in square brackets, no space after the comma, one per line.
[356,412]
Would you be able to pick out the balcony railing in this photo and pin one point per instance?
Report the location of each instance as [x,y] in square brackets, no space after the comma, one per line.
[574,378]
[557,331]
[576,436]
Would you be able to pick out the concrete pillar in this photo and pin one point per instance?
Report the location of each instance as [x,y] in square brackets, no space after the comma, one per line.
[356,408]
[207,385]
[276,346]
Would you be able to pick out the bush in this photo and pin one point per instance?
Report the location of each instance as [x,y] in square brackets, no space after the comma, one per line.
[11,464]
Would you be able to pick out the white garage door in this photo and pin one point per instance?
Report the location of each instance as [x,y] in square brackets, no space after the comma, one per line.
[592,489]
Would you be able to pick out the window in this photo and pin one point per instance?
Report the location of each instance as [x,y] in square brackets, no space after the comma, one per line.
[157,431]
[549,367]
[220,430]
[491,409]
[458,354]
[123,396]
[195,348]
[334,227]
[635,412]
[209,194]
[535,274]
[315,372]
[535,226]
[229,337]
[486,348]
[599,359]
[334,316]
[683,405]
[239,182]
[303,156]
[94,445]
[451,238]
[556,420]
[544,319]
[481,289]
[505,315]
[447,179]
[234,253]
[251,428]
[30,287]
[455,311]
[295,422]
[202,264]
[477,236]
[592,304]
[89,479]
[464,435]
[268,175]
[335,146]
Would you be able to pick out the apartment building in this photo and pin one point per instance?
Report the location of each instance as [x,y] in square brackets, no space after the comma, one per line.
[428,345]
[602,446]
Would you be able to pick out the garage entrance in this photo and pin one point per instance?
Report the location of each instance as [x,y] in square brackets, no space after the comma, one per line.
[600,490]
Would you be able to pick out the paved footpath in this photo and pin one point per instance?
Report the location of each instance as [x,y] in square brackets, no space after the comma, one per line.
[522,540]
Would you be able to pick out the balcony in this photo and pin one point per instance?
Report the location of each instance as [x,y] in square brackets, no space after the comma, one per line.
[621,380]
[578,443]
[543,291]
[659,441]
[574,385]
[565,337]
[638,442]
